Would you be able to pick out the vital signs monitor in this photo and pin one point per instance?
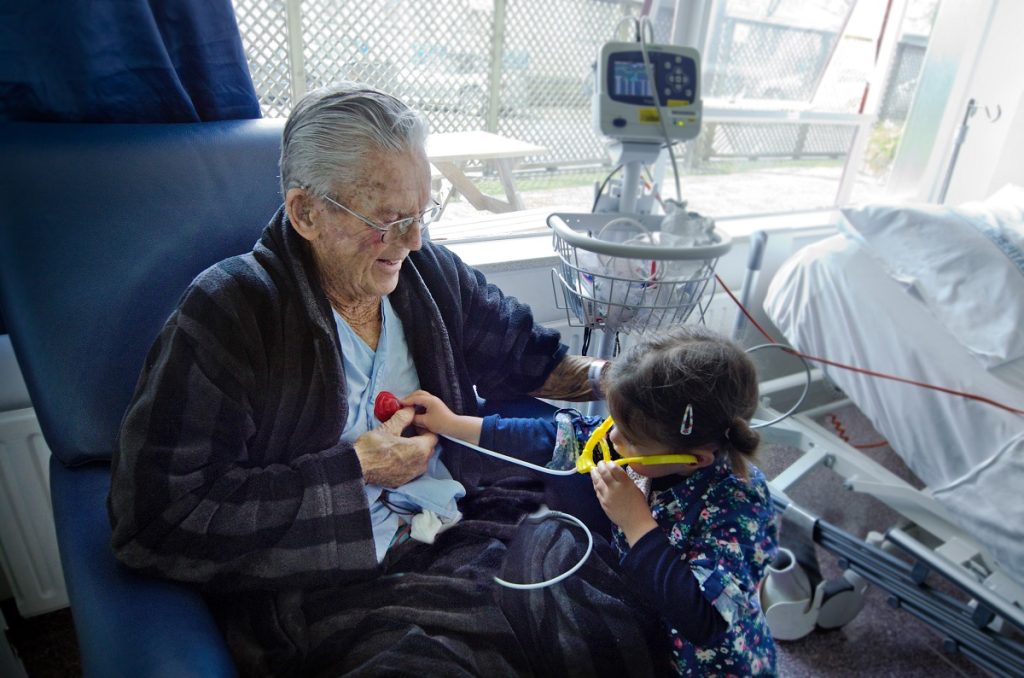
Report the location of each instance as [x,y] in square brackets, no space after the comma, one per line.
[628,106]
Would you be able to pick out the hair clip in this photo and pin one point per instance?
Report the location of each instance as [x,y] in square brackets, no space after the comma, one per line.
[687,426]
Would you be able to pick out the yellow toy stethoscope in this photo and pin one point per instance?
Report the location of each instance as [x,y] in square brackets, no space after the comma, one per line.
[599,438]
[585,462]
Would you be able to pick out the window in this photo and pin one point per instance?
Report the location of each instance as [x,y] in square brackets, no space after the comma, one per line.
[791,92]
[902,74]
[790,88]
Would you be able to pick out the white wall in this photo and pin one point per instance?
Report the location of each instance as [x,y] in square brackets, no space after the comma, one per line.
[974,52]
[992,154]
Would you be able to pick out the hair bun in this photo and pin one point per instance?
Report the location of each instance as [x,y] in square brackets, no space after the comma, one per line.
[742,437]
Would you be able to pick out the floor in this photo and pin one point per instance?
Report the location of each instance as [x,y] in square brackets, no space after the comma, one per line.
[45,644]
[880,641]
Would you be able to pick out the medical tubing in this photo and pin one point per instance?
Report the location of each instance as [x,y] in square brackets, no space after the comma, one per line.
[601,187]
[627,20]
[505,457]
[649,72]
[624,221]
[567,573]
[845,437]
[862,370]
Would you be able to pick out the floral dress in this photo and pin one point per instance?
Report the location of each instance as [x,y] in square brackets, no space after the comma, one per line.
[723,527]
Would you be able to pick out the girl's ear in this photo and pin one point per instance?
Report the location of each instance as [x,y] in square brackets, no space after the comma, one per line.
[705,456]
[299,205]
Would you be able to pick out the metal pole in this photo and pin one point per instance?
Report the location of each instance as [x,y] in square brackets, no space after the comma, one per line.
[757,244]
[296,61]
[605,350]
[497,57]
[958,141]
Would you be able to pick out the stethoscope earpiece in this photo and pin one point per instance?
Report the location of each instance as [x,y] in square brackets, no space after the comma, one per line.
[585,462]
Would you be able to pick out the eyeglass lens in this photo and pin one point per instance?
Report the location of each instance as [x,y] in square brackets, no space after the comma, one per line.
[397,229]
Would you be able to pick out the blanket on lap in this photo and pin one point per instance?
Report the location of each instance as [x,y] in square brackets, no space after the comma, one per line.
[436,609]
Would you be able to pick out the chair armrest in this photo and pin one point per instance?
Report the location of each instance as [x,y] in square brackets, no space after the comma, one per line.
[127,624]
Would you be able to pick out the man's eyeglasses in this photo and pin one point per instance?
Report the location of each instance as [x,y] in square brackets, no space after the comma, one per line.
[393,230]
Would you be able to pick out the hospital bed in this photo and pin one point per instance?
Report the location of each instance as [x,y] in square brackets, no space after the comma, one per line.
[932,295]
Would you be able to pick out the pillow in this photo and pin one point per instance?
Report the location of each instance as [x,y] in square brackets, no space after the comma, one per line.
[965,263]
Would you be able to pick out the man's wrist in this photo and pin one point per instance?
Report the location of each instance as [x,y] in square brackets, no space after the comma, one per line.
[594,374]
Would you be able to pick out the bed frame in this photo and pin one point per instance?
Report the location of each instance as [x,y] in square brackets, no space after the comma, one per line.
[980,623]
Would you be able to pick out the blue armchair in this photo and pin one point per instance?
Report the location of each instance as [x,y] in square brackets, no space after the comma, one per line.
[101,229]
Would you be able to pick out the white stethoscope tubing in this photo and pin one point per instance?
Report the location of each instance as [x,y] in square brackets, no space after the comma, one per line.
[567,573]
[557,514]
[505,457]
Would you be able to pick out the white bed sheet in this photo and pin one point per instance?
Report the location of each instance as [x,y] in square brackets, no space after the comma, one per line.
[832,299]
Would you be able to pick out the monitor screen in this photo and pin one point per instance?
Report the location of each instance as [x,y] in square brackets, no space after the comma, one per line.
[630,79]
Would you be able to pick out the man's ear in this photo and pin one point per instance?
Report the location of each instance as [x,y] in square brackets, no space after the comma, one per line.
[299,204]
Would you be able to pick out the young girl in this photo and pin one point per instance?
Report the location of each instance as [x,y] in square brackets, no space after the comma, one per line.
[694,538]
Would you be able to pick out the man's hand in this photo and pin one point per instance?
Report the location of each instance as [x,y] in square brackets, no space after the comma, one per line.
[388,459]
[622,501]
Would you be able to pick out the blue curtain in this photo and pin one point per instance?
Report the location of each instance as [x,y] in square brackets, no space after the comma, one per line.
[123,61]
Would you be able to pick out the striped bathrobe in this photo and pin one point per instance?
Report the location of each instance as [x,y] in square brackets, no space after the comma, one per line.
[230,475]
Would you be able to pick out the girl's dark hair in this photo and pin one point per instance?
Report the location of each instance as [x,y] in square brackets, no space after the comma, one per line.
[651,384]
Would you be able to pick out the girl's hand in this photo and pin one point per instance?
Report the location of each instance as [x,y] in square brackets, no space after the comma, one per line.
[433,415]
[431,412]
[622,501]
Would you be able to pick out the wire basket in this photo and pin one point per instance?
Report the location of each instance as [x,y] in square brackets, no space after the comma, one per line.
[622,279]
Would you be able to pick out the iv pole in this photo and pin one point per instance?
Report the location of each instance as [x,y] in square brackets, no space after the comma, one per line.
[958,141]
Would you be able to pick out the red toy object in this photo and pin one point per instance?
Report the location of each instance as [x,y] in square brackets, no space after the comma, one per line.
[385,405]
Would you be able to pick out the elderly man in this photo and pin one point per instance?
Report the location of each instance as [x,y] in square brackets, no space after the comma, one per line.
[251,465]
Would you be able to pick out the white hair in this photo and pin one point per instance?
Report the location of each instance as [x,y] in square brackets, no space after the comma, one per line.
[332,130]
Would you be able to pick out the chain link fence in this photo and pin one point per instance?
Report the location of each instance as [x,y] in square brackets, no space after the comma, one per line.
[263,26]
[469,65]
[902,78]
[753,141]
[524,69]
[752,59]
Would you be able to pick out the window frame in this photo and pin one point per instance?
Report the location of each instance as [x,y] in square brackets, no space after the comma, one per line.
[693,26]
